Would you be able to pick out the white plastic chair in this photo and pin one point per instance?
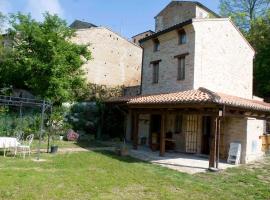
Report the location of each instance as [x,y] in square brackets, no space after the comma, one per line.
[26,148]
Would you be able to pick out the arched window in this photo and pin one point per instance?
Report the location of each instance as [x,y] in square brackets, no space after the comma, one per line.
[182,36]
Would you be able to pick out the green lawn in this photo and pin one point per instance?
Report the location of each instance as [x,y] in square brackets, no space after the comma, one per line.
[103,175]
[67,144]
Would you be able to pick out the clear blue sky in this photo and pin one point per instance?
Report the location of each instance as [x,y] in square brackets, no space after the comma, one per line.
[127,17]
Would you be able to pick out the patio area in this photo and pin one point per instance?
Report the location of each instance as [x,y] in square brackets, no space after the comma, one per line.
[187,163]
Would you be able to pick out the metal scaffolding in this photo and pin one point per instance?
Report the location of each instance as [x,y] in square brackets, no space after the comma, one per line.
[44,106]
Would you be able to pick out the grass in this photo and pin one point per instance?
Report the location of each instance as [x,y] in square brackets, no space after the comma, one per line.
[67,144]
[103,175]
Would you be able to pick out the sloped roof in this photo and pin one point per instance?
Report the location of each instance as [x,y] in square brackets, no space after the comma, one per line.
[199,96]
[149,31]
[177,26]
[77,24]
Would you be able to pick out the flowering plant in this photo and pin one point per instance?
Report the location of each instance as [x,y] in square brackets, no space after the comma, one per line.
[72,135]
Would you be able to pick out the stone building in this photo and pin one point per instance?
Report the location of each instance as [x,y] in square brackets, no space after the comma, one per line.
[196,90]
[138,37]
[116,61]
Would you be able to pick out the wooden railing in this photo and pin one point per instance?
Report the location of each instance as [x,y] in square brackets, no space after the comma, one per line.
[265,142]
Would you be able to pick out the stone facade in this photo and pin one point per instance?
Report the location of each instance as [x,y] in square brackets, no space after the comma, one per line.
[217,61]
[116,61]
[169,48]
[218,58]
[223,59]
[177,12]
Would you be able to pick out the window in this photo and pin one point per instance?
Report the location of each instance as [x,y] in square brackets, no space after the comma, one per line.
[134,40]
[182,37]
[267,127]
[155,72]
[181,68]
[178,124]
[156,45]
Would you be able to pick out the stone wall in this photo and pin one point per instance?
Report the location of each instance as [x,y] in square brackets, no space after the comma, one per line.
[132,90]
[246,131]
[169,48]
[234,130]
[178,12]
[116,61]
[223,58]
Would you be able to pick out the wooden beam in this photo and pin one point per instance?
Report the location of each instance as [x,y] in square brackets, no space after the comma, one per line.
[135,130]
[213,152]
[218,143]
[162,133]
[190,111]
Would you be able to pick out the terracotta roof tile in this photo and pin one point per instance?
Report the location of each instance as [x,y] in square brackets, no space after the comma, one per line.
[198,96]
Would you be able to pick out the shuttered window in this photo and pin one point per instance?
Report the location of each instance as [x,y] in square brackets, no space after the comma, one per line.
[156,45]
[181,68]
[155,72]
[182,37]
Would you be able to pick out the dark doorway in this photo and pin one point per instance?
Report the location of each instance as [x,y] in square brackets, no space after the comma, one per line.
[206,133]
[155,128]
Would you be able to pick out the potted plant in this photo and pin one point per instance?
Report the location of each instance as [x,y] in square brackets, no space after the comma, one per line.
[123,149]
[54,146]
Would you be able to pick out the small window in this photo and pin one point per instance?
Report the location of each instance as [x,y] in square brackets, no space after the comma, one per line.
[146,35]
[134,40]
[267,127]
[182,37]
[156,45]
[178,124]
[155,72]
[181,68]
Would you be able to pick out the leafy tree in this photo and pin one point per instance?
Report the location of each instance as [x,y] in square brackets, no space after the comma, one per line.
[243,12]
[43,59]
[260,39]
[2,21]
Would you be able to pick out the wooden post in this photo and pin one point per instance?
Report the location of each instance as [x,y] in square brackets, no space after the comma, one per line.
[135,130]
[218,144]
[162,134]
[213,152]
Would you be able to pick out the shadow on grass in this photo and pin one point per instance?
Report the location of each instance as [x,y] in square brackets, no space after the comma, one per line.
[91,144]
[114,155]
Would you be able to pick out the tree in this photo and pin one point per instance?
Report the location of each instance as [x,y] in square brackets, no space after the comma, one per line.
[2,22]
[260,39]
[43,59]
[243,12]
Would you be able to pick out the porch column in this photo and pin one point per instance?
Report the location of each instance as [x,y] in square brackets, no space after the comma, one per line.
[135,130]
[218,143]
[162,134]
[215,145]
[213,151]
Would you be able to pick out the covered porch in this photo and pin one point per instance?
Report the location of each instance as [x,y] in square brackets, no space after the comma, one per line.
[196,122]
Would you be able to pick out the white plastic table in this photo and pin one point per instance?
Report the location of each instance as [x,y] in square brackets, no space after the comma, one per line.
[8,142]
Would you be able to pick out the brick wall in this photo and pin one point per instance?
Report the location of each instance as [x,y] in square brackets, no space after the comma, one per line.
[116,61]
[169,48]
[177,12]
